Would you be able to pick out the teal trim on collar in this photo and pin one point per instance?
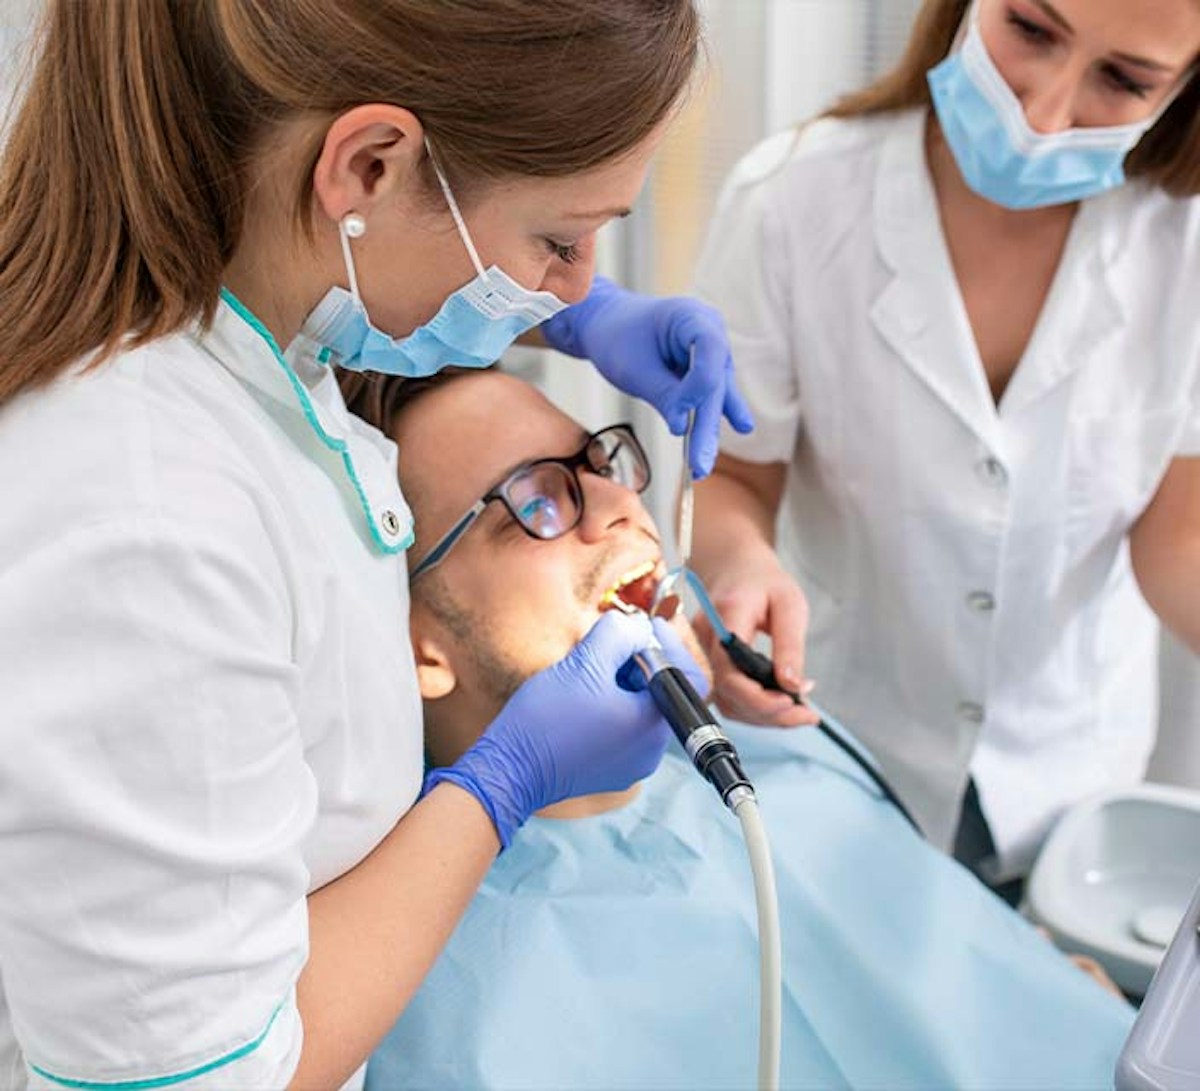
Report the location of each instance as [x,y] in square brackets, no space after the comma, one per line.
[164,1081]
[338,446]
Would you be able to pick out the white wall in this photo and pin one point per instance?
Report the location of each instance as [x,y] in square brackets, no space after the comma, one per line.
[17,19]
[1176,758]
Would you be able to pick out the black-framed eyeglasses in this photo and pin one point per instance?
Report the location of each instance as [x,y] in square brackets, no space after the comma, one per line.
[545,497]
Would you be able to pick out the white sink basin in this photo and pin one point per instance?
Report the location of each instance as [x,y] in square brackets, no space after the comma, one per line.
[1115,877]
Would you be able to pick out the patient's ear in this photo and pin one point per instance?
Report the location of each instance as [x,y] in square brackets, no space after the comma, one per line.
[435,675]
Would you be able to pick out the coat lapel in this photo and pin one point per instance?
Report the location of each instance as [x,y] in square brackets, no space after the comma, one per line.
[1082,311]
[919,311]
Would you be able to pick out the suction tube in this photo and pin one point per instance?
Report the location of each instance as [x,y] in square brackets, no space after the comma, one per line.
[711,752]
[716,759]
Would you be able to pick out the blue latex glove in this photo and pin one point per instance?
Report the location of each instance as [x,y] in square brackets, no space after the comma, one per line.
[643,344]
[570,730]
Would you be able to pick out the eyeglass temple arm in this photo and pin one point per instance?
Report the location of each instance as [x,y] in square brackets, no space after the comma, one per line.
[435,556]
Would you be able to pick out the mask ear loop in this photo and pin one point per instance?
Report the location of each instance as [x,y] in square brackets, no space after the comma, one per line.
[459,222]
[354,226]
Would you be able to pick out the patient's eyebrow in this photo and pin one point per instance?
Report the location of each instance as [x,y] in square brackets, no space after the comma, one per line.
[501,523]
[583,436]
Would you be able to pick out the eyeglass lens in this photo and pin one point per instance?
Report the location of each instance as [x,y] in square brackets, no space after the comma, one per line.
[614,455]
[546,498]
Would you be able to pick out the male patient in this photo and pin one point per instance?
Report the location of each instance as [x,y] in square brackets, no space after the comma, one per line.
[613,945]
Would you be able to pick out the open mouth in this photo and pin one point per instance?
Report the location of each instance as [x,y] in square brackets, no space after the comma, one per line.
[636,591]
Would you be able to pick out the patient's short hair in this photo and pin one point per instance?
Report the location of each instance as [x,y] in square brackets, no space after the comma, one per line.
[380,399]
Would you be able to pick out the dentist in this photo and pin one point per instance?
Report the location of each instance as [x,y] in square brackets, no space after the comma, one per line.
[216,869]
[963,305]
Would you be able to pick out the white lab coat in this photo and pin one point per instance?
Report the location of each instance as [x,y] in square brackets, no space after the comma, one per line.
[973,606]
[208,703]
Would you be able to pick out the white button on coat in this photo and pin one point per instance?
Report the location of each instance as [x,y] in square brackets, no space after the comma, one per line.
[210,706]
[908,488]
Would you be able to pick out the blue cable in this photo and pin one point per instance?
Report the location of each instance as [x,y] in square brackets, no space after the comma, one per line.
[753,664]
[710,611]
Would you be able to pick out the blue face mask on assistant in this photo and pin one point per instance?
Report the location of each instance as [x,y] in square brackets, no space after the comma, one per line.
[1004,160]
[474,326]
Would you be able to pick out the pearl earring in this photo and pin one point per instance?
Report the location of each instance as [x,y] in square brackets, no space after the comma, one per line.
[354,225]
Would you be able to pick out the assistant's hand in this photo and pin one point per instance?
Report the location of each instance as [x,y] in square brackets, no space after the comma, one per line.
[571,730]
[643,345]
[753,595]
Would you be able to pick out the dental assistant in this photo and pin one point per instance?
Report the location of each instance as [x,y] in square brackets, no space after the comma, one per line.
[963,307]
[216,871]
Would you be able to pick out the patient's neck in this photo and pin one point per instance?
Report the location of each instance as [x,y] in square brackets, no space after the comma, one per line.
[587,806]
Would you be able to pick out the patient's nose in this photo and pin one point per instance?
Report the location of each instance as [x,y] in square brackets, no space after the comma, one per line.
[607,505]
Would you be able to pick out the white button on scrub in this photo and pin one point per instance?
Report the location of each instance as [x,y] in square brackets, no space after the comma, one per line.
[970,712]
[992,472]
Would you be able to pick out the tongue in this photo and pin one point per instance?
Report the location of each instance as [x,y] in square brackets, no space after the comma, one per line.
[639,592]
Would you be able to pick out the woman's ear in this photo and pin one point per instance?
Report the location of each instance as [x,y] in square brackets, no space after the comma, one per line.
[435,675]
[368,153]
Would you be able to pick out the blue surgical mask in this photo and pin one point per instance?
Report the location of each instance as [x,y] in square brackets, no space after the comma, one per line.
[1000,156]
[474,326]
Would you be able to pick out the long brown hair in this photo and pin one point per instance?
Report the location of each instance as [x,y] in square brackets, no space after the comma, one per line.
[123,180]
[1167,156]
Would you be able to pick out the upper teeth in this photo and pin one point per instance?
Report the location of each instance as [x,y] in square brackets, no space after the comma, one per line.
[633,574]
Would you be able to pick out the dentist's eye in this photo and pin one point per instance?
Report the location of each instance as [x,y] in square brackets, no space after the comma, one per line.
[1032,32]
[565,252]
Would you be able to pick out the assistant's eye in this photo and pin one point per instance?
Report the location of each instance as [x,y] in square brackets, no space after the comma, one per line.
[1032,32]
[1123,82]
[565,252]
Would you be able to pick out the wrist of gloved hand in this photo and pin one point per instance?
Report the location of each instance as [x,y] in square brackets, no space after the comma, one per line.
[508,803]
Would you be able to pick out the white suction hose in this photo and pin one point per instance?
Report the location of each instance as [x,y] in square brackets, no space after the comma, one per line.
[770,1014]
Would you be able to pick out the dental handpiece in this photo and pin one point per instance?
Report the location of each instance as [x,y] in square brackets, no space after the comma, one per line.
[713,755]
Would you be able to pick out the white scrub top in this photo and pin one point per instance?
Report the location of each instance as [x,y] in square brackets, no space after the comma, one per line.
[208,704]
[973,607]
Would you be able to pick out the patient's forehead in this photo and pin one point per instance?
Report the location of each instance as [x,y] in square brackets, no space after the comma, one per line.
[459,439]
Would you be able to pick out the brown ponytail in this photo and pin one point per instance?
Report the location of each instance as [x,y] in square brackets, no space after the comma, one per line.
[115,198]
[122,182]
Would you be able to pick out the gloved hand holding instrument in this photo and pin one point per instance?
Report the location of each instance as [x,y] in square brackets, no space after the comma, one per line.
[690,369]
[570,730]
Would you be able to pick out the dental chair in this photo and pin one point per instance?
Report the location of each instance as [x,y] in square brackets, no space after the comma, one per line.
[1163,1049]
